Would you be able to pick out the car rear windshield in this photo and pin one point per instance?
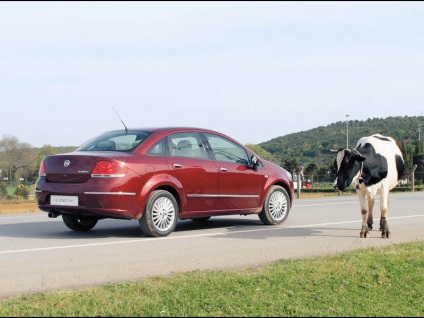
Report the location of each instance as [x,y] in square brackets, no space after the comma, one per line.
[119,140]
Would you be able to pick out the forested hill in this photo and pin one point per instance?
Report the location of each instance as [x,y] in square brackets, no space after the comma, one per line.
[313,146]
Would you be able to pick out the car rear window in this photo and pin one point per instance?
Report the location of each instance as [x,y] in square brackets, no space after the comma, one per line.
[120,140]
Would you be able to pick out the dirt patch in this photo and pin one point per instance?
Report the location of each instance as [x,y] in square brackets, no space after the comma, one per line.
[19,207]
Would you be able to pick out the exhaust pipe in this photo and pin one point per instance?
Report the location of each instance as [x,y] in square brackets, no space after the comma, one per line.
[53,215]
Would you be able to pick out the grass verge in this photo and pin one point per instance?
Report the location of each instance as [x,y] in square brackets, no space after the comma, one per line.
[379,281]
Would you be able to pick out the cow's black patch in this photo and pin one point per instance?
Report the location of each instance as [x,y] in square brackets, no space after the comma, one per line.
[375,166]
[382,138]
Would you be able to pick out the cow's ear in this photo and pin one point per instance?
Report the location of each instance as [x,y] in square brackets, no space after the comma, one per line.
[358,156]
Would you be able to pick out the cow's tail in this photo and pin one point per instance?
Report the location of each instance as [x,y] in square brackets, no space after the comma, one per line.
[400,166]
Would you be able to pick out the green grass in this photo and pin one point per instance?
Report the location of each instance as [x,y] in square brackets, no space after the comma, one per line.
[380,281]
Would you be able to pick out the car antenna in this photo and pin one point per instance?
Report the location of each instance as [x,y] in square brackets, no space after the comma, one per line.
[126,129]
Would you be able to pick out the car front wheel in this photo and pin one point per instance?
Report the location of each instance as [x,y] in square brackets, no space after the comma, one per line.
[276,206]
[160,215]
[79,223]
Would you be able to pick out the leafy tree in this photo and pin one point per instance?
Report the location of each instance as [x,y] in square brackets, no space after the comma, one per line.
[419,161]
[418,147]
[291,164]
[15,155]
[311,171]
[46,150]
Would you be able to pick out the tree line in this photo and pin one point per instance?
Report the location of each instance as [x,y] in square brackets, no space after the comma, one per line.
[307,150]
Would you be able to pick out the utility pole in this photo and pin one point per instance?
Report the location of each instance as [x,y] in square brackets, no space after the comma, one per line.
[347,132]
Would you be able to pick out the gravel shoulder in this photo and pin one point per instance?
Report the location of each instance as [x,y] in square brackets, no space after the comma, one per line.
[19,207]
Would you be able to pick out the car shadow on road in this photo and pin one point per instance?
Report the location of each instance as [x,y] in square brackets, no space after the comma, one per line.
[234,228]
[55,229]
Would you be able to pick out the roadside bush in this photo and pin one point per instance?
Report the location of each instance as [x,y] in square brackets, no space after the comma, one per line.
[22,191]
[3,190]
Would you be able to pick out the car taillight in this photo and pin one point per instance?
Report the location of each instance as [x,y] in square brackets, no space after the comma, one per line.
[42,170]
[108,169]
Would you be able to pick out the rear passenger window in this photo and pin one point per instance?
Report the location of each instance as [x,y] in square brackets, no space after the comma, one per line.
[187,145]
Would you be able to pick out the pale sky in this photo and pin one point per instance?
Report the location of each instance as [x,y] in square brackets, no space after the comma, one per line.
[252,70]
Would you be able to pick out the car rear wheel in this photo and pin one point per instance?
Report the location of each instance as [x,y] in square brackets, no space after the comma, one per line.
[160,215]
[79,223]
[276,206]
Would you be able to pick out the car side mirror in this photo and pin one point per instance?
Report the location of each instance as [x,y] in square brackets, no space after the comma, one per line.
[254,163]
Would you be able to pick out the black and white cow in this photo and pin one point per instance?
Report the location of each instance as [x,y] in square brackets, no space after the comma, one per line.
[375,165]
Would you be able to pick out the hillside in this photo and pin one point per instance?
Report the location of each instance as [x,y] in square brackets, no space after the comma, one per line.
[313,146]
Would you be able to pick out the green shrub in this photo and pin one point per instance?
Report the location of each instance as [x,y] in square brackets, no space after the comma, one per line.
[22,191]
[3,190]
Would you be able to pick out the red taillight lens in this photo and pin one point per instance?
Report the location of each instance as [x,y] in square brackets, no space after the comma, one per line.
[42,170]
[108,169]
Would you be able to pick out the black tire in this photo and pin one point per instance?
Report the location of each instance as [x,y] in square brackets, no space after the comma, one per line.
[79,223]
[276,206]
[202,219]
[160,214]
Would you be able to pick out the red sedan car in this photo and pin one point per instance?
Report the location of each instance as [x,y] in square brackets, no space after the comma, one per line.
[158,176]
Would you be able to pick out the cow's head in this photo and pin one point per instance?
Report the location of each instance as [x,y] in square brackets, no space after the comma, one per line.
[348,164]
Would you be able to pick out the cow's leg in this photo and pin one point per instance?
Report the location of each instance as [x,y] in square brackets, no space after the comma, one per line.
[364,211]
[370,210]
[384,227]
[381,219]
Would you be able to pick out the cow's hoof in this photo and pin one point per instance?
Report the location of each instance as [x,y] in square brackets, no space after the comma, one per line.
[385,235]
[364,234]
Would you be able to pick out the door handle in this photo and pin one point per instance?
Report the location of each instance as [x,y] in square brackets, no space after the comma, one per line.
[177,165]
[223,169]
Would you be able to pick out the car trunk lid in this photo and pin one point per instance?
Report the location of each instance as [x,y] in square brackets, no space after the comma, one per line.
[76,167]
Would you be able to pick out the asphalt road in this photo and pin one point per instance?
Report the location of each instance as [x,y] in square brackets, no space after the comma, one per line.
[40,254]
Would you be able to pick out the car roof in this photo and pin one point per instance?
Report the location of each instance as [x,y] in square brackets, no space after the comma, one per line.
[161,131]
[173,129]
[169,129]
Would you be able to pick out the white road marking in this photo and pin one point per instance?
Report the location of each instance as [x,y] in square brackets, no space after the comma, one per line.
[192,236]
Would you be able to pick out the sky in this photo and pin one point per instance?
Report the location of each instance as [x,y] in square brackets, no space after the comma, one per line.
[252,70]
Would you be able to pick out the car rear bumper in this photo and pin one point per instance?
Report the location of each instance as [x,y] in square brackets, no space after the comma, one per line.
[119,205]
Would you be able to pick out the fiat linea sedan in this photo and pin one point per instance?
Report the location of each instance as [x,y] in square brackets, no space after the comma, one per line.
[158,176]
